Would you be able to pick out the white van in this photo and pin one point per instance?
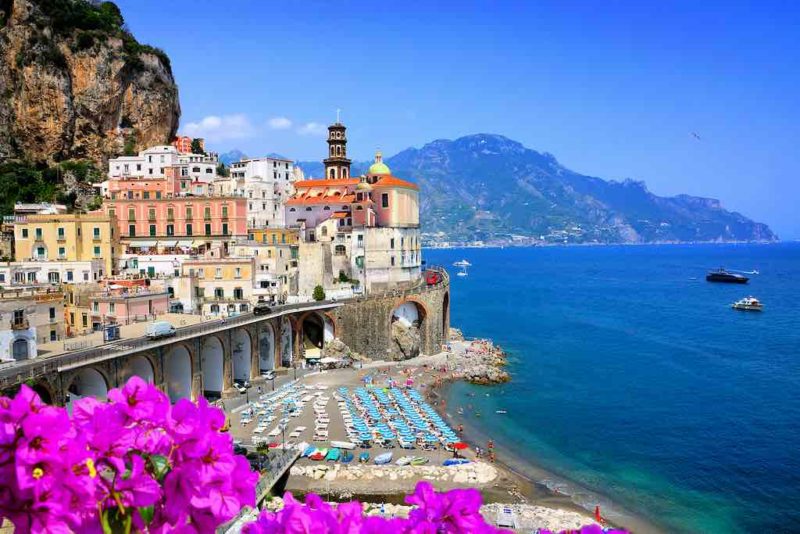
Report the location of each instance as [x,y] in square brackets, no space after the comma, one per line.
[159,329]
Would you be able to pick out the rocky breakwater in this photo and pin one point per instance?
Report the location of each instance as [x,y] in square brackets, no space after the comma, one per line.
[469,475]
[478,362]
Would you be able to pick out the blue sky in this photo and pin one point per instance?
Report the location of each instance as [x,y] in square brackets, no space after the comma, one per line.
[612,89]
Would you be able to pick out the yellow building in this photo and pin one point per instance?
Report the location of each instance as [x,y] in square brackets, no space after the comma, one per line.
[216,287]
[67,237]
[77,309]
[274,236]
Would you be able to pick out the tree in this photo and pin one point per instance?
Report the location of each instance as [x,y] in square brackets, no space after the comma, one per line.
[197,146]
[222,170]
[319,293]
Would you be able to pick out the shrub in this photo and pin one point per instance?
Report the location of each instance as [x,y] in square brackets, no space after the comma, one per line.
[319,293]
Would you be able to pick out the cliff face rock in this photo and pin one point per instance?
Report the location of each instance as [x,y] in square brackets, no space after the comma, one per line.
[407,341]
[73,92]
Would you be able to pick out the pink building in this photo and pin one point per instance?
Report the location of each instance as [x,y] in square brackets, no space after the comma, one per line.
[172,185]
[127,305]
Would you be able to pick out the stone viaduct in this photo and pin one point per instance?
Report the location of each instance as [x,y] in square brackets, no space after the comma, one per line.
[205,359]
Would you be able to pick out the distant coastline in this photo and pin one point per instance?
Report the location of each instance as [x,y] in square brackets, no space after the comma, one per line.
[453,246]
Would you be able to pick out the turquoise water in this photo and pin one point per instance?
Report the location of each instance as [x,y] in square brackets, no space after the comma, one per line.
[633,377]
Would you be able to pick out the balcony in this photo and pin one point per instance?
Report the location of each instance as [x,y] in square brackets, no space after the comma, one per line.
[20,324]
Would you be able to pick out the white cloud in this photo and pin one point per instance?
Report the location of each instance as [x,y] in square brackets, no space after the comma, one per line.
[279,123]
[312,128]
[220,128]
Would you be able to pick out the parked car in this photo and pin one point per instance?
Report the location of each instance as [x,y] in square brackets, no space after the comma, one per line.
[262,308]
[159,329]
[240,388]
[269,375]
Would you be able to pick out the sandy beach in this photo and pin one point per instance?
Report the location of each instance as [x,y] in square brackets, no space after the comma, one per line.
[501,487]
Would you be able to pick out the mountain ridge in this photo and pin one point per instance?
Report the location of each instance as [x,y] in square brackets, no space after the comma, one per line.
[487,187]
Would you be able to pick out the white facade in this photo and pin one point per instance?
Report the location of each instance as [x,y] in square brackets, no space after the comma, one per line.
[266,183]
[150,163]
[152,266]
[26,273]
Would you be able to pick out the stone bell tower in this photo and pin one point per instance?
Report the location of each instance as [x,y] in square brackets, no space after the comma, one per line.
[336,164]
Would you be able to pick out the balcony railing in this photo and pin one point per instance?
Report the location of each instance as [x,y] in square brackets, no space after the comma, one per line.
[20,324]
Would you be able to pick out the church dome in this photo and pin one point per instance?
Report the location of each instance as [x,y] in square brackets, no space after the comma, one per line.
[364,186]
[379,167]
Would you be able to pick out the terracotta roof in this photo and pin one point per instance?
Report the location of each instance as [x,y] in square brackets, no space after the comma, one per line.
[320,199]
[322,182]
[339,215]
[392,181]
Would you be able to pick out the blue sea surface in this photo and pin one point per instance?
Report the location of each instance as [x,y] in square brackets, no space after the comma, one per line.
[634,378]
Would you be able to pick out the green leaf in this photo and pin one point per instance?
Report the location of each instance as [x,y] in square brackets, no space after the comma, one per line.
[147,513]
[160,466]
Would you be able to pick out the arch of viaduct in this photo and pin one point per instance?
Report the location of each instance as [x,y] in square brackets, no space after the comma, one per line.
[209,364]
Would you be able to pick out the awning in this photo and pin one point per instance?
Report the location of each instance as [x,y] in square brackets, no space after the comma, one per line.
[187,244]
[143,244]
[197,243]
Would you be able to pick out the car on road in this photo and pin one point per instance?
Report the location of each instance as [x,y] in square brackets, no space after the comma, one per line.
[269,375]
[240,388]
[159,329]
[262,308]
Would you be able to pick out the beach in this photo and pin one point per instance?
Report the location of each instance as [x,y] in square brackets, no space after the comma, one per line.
[533,505]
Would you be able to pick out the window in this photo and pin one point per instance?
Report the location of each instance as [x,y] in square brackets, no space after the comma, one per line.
[195,169]
[219,293]
[158,193]
[208,229]
[112,212]
[224,212]
[96,232]
[392,261]
[146,195]
[85,276]
[215,309]
[131,214]
[53,335]
[85,320]
[32,277]
[20,348]
[62,252]
[391,243]
[188,229]
[218,273]
[170,214]
[238,272]
[52,313]
[151,214]
[53,278]
[70,276]
[385,200]
[2,277]
[41,253]
[38,233]
[96,252]
[112,307]
[25,233]
[170,229]
[189,212]
[224,228]
[152,230]
[95,306]
[238,294]
[60,233]
[207,212]
[132,230]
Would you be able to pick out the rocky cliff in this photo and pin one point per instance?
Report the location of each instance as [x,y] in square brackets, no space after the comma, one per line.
[77,85]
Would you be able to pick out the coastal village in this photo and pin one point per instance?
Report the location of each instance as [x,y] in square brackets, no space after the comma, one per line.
[300,305]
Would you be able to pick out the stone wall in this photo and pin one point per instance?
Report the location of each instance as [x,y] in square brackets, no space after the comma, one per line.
[365,325]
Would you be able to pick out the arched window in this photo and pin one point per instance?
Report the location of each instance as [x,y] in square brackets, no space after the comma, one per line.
[292,209]
[308,209]
[327,208]
[20,349]
[333,173]
[338,150]
[344,172]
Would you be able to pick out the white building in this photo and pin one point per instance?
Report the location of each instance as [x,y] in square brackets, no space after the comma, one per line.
[26,273]
[150,163]
[266,183]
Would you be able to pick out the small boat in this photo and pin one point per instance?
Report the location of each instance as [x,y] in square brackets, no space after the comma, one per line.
[461,411]
[455,461]
[383,459]
[419,460]
[462,263]
[363,457]
[308,451]
[347,457]
[501,412]
[318,455]
[721,275]
[748,304]
[343,445]
[405,460]
[333,455]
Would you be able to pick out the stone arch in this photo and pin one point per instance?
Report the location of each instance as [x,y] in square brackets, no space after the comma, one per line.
[408,325]
[178,373]
[411,310]
[287,343]
[45,391]
[242,351]
[88,382]
[212,357]
[266,348]
[141,366]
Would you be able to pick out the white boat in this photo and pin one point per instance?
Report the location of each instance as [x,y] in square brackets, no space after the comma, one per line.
[462,263]
[343,445]
[463,271]
[501,412]
[405,460]
[748,304]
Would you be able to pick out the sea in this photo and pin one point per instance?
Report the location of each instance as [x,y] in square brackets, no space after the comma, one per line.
[635,385]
